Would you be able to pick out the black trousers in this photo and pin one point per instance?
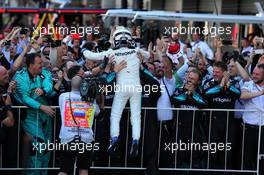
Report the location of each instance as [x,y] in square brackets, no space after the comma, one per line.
[8,140]
[165,137]
[189,133]
[220,132]
[251,141]
[237,144]
[151,142]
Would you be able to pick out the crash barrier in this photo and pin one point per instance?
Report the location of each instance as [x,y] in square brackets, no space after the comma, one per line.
[207,140]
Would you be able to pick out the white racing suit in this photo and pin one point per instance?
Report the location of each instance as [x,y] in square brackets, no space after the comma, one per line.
[128,87]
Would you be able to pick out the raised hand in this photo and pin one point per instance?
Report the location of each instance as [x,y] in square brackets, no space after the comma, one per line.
[120,66]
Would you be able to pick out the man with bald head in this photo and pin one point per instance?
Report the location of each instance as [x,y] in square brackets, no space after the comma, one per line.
[5,97]
[4,78]
[76,128]
[8,136]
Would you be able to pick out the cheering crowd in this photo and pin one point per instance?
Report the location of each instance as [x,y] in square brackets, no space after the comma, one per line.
[40,73]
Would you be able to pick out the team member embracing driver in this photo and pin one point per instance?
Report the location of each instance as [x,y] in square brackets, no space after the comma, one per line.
[127,85]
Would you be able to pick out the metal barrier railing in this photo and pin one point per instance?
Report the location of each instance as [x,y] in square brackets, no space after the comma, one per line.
[208,116]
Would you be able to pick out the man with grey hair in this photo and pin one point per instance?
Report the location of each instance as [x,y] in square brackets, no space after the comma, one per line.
[77,120]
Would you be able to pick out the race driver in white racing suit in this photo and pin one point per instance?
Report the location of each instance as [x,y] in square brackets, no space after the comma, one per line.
[128,85]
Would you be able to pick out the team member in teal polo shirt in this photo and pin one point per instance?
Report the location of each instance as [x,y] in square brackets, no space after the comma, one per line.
[34,85]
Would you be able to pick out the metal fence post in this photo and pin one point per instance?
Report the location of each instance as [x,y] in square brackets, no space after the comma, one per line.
[259,142]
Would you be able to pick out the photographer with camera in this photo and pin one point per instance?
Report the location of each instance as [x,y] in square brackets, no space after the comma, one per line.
[8,49]
[77,117]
